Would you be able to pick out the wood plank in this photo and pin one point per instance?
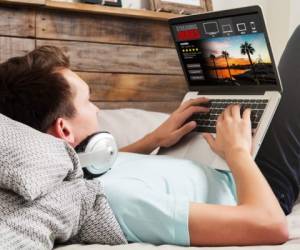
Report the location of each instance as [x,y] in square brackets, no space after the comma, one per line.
[132,87]
[17,21]
[11,47]
[96,9]
[118,58]
[27,2]
[102,28]
[92,8]
[165,107]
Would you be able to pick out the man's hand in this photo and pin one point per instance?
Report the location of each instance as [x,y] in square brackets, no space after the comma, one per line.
[170,131]
[257,208]
[233,132]
[173,129]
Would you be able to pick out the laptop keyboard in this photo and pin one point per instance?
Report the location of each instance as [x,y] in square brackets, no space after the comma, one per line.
[206,122]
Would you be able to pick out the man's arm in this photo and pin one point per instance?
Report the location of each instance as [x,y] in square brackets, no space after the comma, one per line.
[257,218]
[170,131]
[143,146]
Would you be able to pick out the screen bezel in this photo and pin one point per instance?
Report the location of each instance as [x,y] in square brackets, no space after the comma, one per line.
[223,14]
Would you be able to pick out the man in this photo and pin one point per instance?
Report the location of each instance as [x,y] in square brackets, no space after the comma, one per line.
[41,91]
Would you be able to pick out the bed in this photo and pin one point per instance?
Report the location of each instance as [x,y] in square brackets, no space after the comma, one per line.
[112,121]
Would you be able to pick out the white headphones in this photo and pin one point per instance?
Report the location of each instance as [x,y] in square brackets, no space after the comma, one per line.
[99,154]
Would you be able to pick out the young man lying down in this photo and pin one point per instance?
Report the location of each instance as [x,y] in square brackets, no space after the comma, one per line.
[156,199]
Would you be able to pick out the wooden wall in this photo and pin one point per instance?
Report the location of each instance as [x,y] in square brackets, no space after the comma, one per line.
[128,62]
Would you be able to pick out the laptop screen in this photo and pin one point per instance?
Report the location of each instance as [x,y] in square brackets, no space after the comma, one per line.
[225,51]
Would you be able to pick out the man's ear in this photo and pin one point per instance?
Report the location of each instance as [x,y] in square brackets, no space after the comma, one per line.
[62,129]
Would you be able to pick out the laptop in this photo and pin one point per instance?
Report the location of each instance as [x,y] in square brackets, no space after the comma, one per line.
[225,56]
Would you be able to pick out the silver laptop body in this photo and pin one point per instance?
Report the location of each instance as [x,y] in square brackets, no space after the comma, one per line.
[225,56]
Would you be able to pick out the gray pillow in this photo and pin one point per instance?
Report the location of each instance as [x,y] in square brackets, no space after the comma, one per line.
[31,162]
[116,121]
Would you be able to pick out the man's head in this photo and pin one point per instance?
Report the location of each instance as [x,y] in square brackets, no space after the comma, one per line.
[40,90]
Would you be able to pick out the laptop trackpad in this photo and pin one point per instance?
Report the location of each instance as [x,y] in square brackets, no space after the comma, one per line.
[194,147]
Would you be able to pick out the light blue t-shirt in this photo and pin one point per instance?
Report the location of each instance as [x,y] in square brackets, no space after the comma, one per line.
[150,195]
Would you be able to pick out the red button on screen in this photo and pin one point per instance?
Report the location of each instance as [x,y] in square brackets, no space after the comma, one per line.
[192,34]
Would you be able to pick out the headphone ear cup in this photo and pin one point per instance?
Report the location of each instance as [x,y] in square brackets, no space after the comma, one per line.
[99,155]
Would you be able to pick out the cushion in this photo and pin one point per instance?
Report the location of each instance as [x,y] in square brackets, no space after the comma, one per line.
[31,162]
[128,125]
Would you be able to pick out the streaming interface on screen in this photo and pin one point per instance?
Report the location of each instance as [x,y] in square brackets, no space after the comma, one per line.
[228,51]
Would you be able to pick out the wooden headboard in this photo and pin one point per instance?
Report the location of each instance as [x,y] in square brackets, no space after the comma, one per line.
[126,56]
